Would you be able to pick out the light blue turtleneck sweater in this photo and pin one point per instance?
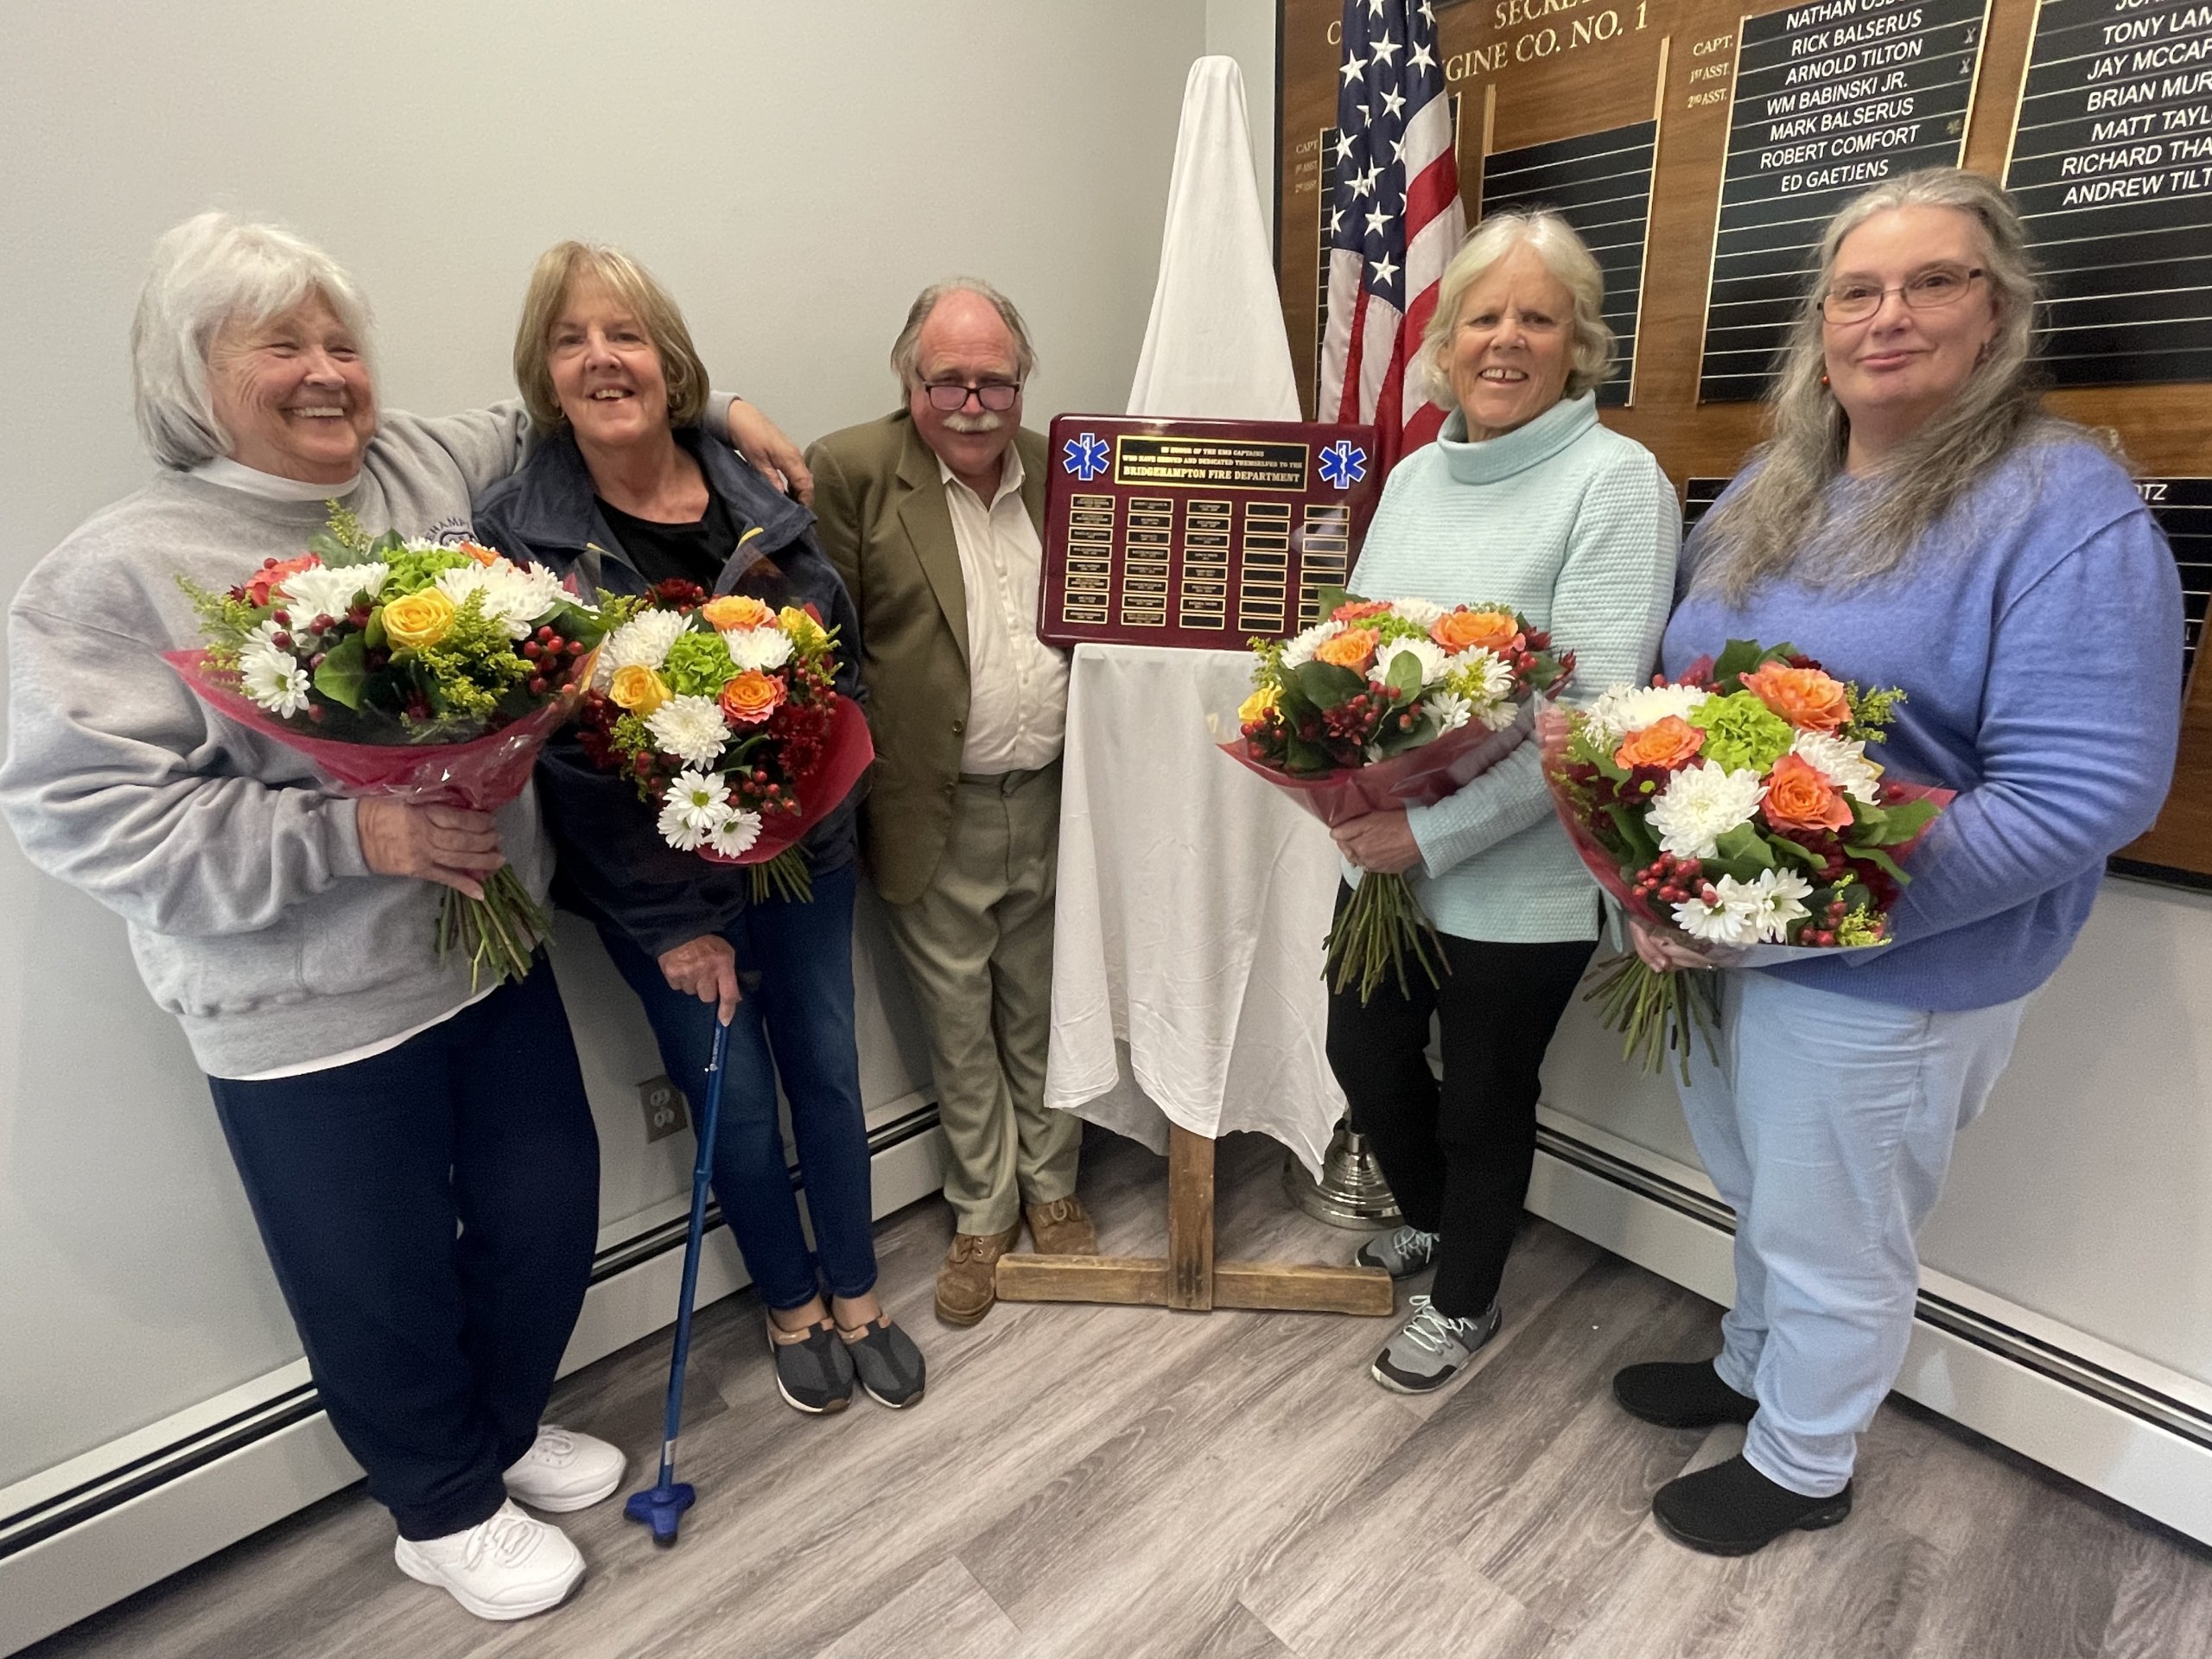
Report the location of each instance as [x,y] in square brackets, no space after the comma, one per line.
[1576,528]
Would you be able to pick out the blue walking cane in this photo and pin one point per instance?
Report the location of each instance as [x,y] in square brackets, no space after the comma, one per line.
[662,1506]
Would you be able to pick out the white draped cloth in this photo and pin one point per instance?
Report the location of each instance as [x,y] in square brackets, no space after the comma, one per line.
[1194,897]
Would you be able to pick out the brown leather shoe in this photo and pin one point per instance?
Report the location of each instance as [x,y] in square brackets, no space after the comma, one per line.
[967,1283]
[1061,1228]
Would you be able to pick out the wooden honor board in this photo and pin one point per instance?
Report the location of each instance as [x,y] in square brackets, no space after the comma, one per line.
[1701,145]
[1198,533]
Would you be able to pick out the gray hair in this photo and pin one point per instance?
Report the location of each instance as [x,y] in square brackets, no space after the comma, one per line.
[209,270]
[1553,241]
[1765,528]
[906,349]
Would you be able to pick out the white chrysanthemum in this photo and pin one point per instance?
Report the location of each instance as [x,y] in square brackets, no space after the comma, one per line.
[1628,709]
[691,728]
[1299,648]
[1426,651]
[1725,919]
[1844,764]
[1421,612]
[520,599]
[641,642]
[736,833]
[1701,803]
[274,679]
[1773,903]
[1481,676]
[1451,711]
[328,590]
[761,648]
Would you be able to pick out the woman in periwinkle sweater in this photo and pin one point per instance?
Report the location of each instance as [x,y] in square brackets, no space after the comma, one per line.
[1524,502]
[1916,521]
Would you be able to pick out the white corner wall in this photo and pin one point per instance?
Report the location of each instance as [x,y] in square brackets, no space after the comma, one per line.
[795,173]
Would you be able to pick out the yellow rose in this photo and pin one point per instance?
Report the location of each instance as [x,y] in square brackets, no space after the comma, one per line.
[638,689]
[419,618]
[808,636]
[1259,705]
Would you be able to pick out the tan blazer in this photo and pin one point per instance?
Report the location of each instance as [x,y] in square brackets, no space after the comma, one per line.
[879,500]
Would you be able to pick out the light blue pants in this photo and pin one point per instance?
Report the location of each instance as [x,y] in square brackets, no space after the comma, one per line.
[1827,1126]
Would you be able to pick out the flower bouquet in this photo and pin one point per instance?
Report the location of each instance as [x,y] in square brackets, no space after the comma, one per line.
[724,713]
[1386,704]
[1735,811]
[408,672]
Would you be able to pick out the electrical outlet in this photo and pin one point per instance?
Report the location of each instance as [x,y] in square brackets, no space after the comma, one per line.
[664,1104]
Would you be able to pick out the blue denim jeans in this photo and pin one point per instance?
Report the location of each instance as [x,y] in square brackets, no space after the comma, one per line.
[796,1021]
[1829,1126]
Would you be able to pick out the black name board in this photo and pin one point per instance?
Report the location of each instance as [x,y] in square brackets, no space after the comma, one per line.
[1600,183]
[2112,167]
[1829,98]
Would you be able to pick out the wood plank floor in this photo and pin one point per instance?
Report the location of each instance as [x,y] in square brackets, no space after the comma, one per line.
[1129,1482]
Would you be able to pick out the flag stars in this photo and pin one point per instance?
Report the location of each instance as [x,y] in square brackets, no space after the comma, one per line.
[1336,220]
[1343,146]
[1353,69]
[1420,58]
[1385,271]
[1387,50]
[1378,220]
[1392,101]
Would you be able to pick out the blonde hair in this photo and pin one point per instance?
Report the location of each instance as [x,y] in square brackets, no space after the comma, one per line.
[559,269]
[212,270]
[1553,241]
[1764,528]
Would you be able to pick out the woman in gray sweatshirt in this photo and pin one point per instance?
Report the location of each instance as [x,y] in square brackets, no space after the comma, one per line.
[420,1156]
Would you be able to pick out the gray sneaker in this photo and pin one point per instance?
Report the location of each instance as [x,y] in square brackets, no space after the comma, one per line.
[889,1363]
[1431,1350]
[815,1375]
[1401,1254]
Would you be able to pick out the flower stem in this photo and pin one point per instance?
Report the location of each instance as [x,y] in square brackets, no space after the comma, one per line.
[1375,932]
[787,876]
[500,932]
[1657,1013]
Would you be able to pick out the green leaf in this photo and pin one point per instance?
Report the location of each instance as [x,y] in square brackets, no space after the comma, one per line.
[1404,674]
[1905,820]
[1299,755]
[1642,847]
[1329,597]
[344,672]
[1397,742]
[1881,861]
[1804,854]
[1745,845]
[1742,656]
[374,637]
[1326,685]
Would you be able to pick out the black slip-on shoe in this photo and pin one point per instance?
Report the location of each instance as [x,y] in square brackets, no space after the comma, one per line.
[1731,1508]
[1674,1393]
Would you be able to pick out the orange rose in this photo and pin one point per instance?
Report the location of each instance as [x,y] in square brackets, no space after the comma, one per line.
[1800,797]
[1355,610]
[1353,649]
[264,581]
[736,611]
[1464,630]
[1664,743]
[1805,697]
[751,697]
[482,554]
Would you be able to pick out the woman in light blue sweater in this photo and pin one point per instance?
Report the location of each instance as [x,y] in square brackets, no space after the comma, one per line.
[1916,521]
[1524,501]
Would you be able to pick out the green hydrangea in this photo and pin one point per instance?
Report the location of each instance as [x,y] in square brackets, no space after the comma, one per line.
[1741,732]
[698,666]
[411,572]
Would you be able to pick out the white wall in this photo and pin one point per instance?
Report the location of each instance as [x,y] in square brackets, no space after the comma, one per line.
[794,172]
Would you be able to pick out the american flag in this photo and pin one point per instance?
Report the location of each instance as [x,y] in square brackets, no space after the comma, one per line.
[1394,220]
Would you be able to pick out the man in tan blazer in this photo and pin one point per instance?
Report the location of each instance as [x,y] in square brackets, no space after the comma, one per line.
[932,515]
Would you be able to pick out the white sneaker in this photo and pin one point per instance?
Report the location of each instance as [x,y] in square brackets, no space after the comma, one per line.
[509,1567]
[564,1470]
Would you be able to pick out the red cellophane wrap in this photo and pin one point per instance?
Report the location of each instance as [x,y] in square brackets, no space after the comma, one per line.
[1553,732]
[1420,777]
[848,750]
[480,775]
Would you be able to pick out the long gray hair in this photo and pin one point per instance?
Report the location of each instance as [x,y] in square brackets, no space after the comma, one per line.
[1765,528]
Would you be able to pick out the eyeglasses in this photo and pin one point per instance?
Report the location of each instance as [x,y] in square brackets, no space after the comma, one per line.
[1931,290]
[947,395]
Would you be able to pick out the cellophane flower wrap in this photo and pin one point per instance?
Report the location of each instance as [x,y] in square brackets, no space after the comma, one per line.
[1733,810]
[411,671]
[1387,704]
[725,714]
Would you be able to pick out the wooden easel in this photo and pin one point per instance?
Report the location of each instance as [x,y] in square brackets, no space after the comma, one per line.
[1188,1276]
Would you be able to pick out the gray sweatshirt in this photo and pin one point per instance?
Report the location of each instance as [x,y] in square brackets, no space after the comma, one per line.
[252,916]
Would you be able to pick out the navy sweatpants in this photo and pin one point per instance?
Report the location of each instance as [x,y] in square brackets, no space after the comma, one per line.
[431,1213]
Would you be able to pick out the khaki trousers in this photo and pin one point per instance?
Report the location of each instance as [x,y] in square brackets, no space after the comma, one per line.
[978,950]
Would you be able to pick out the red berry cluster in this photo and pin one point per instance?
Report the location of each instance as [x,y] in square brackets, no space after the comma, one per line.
[556,659]
[1825,924]
[1673,880]
[677,594]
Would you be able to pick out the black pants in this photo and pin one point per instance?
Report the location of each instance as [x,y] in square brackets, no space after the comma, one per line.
[431,1213]
[1458,1156]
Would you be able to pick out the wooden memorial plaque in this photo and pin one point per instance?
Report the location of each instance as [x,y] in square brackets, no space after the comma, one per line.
[1700,146]
[1198,533]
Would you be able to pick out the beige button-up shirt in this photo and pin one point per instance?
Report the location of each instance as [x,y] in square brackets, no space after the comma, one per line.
[1017,685]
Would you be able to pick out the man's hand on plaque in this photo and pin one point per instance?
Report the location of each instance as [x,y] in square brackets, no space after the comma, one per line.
[1381,842]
